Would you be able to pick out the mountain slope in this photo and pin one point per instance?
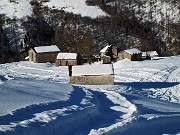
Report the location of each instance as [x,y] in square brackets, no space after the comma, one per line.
[22,8]
[16,8]
[75,26]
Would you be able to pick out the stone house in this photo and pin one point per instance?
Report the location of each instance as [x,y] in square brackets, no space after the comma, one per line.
[109,53]
[43,54]
[149,54]
[66,59]
[96,74]
[105,59]
[132,54]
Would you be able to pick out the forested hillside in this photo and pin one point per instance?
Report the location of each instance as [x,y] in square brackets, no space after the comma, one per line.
[87,26]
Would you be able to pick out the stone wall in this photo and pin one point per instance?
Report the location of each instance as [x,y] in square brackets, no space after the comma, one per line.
[134,57]
[105,59]
[46,57]
[66,62]
[120,55]
[92,80]
[32,55]
[42,57]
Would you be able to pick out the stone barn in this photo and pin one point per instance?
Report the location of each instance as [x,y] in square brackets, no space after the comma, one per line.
[105,59]
[109,53]
[149,54]
[96,74]
[133,54]
[66,59]
[43,54]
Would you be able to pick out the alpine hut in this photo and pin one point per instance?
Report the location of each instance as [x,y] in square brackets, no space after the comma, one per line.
[66,59]
[43,54]
[133,54]
[149,54]
[97,74]
[109,53]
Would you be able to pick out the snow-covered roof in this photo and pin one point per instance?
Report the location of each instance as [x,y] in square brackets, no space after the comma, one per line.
[43,49]
[149,53]
[133,51]
[105,49]
[66,56]
[26,58]
[95,69]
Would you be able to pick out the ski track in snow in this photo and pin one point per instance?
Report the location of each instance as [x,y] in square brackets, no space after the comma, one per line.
[162,77]
[123,106]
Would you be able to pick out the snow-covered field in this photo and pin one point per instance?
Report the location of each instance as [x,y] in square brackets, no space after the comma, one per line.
[36,99]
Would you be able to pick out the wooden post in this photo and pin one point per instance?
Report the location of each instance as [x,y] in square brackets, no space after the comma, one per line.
[70,70]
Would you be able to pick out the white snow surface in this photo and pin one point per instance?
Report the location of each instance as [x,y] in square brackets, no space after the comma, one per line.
[44,49]
[76,7]
[17,94]
[22,8]
[156,78]
[17,9]
[66,56]
[94,69]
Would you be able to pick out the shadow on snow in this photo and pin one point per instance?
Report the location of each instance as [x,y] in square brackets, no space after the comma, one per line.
[148,85]
[77,122]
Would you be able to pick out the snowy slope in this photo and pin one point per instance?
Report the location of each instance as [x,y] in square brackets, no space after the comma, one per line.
[23,8]
[160,11]
[76,7]
[17,9]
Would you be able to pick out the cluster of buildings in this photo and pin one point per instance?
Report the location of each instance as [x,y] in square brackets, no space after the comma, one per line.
[113,53]
[95,74]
